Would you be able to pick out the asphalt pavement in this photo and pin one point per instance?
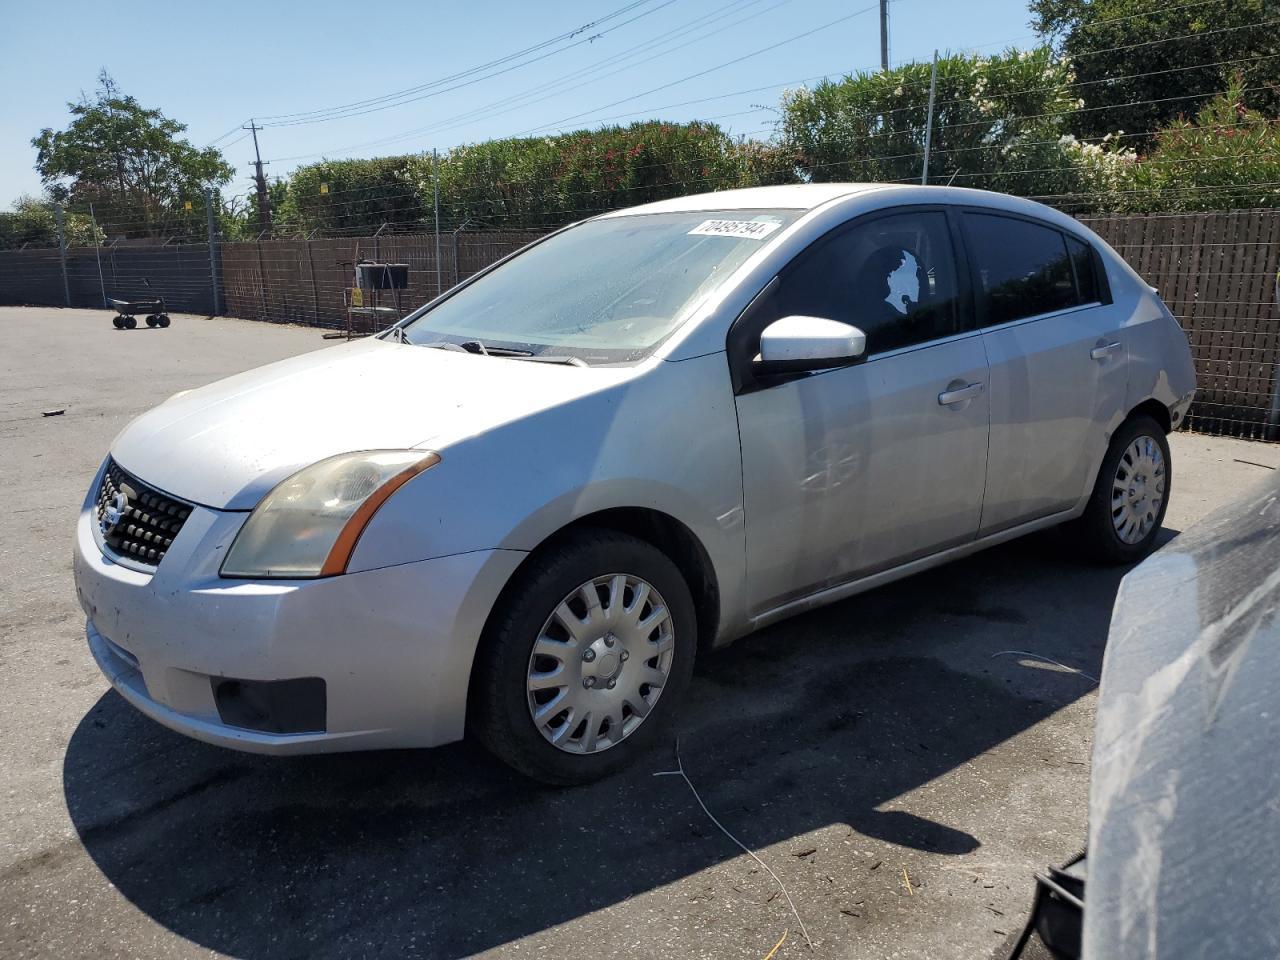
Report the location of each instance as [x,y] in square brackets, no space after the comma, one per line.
[887,757]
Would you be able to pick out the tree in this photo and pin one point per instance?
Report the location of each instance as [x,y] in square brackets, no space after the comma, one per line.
[33,222]
[529,181]
[344,195]
[999,124]
[548,181]
[129,161]
[1228,158]
[1139,65]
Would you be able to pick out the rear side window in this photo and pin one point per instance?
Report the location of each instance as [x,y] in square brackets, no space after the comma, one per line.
[1086,273]
[1023,269]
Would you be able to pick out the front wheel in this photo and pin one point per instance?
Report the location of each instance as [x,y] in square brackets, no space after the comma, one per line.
[1127,507]
[585,660]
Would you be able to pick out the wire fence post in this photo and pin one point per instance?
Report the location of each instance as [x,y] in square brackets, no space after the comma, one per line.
[213,253]
[435,199]
[262,278]
[97,253]
[315,292]
[928,128]
[457,277]
[62,250]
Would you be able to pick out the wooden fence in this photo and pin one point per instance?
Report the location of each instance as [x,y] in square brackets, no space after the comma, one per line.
[303,281]
[1217,272]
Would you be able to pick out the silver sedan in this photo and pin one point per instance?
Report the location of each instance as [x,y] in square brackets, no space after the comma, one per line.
[525,510]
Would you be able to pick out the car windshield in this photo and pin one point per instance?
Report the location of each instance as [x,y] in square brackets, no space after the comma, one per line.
[606,291]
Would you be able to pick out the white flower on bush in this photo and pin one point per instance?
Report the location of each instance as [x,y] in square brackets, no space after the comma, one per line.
[1105,169]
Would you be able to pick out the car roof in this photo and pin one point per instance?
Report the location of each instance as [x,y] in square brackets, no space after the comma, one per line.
[795,196]
[809,196]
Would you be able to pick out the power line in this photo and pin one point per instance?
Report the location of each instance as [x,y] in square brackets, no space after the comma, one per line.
[531,96]
[464,79]
[703,73]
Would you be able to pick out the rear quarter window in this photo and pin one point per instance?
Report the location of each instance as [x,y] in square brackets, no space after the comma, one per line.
[1085,263]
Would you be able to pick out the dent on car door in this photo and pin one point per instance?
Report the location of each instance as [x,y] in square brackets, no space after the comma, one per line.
[857,469]
[1057,354]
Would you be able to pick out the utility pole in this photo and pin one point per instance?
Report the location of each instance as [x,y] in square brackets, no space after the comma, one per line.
[884,35]
[264,199]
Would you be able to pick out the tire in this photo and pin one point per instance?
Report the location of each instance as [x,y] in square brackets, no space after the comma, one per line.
[151,321]
[511,679]
[118,322]
[162,321]
[130,323]
[1101,532]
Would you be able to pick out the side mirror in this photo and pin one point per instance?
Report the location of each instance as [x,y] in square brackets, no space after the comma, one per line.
[796,344]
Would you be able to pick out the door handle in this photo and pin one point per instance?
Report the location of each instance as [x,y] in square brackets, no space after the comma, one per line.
[961,394]
[1104,351]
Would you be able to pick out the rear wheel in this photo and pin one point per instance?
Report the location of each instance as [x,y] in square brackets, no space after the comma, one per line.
[586,659]
[151,321]
[1127,508]
[118,322]
[162,320]
[130,323]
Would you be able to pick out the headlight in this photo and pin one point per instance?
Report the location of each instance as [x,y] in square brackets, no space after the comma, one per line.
[309,524]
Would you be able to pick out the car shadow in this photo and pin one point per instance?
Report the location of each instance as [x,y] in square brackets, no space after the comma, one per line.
[825,719]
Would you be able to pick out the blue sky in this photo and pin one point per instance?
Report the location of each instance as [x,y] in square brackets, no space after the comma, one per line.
[214,72]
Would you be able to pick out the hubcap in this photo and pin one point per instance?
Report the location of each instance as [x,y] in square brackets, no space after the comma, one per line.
[600,663]
[1138,489]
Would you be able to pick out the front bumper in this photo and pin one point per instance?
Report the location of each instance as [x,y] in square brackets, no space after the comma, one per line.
[394,645]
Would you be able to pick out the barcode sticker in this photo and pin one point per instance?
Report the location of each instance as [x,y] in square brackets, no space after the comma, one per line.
[749,229]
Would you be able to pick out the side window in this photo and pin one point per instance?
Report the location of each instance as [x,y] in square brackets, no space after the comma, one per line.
[1086,276]
[1022,268]
[894,277]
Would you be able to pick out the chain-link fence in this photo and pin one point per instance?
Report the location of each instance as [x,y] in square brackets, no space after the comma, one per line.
[1217,271]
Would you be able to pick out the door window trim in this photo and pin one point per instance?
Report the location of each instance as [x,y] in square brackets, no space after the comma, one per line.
[979,305]
[741,375]
[1048,315]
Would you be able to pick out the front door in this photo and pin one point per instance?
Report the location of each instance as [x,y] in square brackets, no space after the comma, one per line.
[854,470]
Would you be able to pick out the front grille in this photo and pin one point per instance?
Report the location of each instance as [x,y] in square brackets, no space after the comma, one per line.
[137,521]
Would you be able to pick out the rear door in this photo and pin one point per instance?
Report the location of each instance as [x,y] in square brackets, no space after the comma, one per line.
[1057,354]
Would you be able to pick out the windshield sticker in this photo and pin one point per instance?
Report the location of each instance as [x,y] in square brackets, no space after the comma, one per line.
[748,229]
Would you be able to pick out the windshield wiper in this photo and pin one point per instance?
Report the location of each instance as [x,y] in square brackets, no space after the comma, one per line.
[506,353]
[550,358]
[475,346]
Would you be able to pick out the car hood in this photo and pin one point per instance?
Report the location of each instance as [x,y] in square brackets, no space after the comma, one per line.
[1184,781]
[227,444]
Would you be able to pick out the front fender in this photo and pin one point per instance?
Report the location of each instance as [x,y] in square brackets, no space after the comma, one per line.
[666,440]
